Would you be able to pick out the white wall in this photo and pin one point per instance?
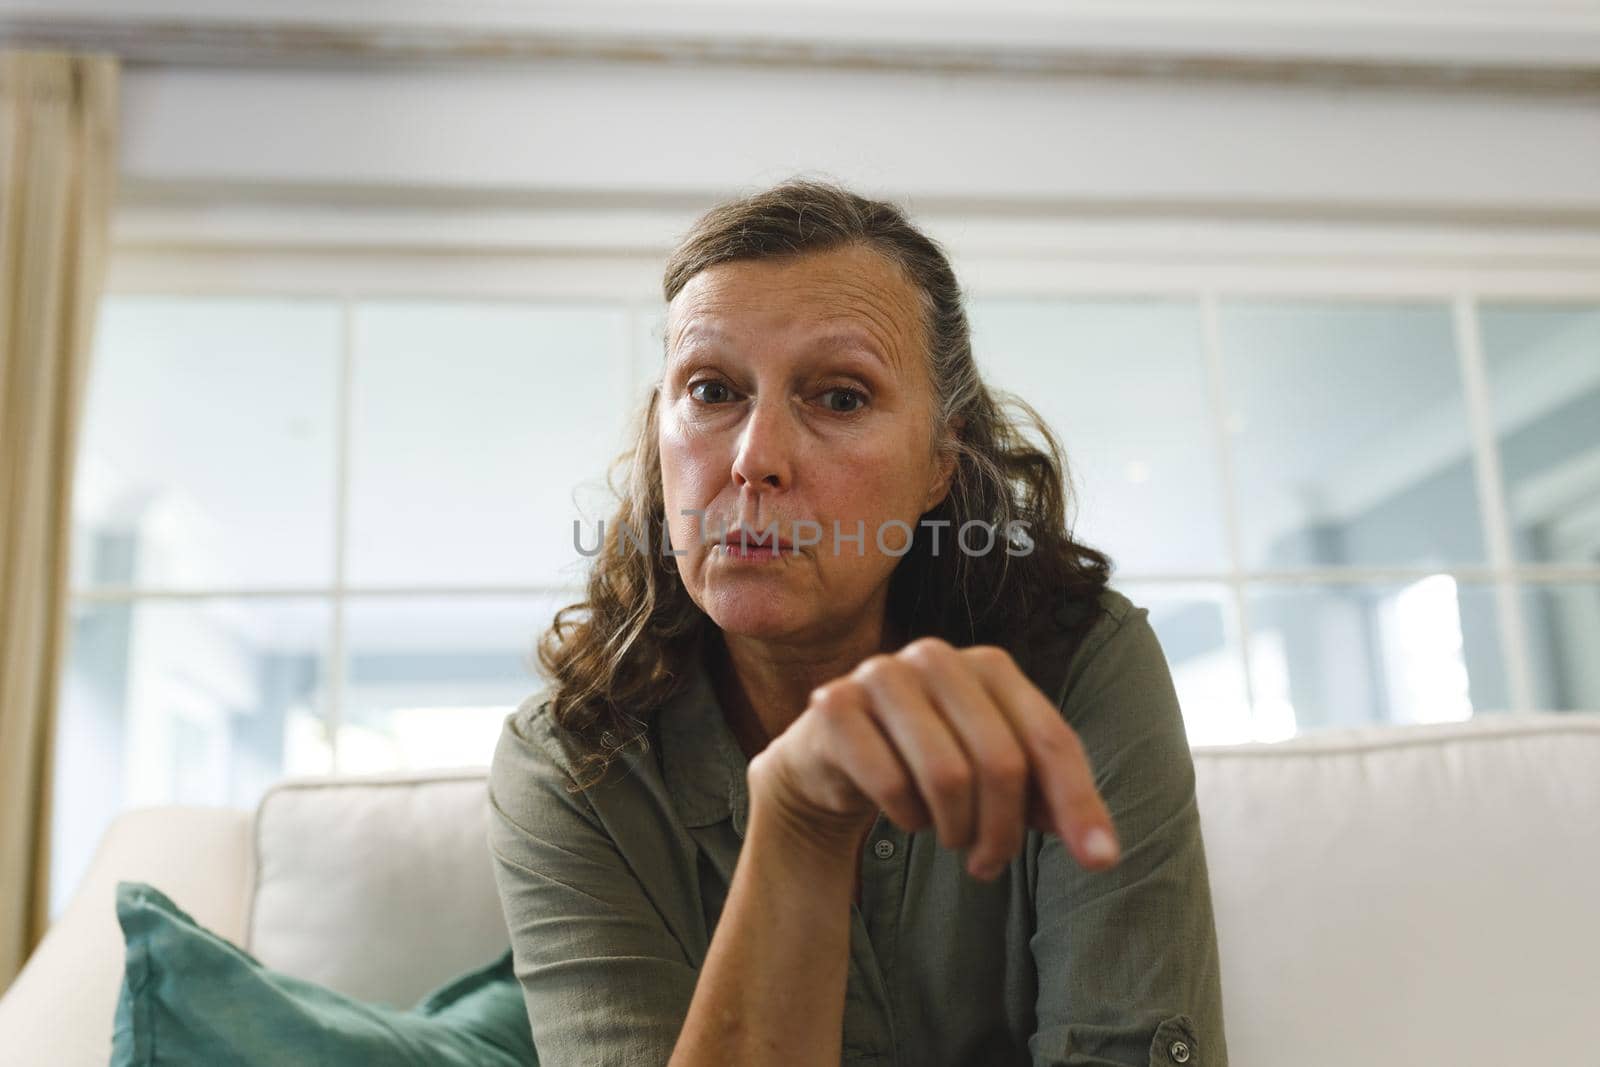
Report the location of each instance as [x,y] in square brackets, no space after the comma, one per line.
[404,123]
[639,129]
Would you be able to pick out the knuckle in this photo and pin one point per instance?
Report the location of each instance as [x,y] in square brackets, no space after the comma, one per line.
[899,792]
[1008,770]
[831,694]
[1058,742]
[758,764]
[830,712]
[989,655]
[925,650]
[824,696]
[760,771]
[873,668]
[949,779]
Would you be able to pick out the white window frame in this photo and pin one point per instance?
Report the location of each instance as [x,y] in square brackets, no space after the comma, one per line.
[1464,269]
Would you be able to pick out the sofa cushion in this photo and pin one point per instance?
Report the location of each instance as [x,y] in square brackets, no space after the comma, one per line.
[190,997]
[379,887]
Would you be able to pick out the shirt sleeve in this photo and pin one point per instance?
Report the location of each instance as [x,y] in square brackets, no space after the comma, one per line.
[604,980]
[1127,958]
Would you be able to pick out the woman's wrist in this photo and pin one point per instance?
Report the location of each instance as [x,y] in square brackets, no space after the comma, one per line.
[824,839]
[776,972]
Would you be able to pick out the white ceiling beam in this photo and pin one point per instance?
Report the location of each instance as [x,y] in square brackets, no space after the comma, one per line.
[1505,45]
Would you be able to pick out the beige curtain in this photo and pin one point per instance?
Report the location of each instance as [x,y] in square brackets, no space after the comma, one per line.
[58,120]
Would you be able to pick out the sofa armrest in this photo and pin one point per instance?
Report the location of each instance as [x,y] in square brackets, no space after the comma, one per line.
[59,1009]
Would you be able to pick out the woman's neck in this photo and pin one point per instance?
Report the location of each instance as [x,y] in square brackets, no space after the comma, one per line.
[763,687]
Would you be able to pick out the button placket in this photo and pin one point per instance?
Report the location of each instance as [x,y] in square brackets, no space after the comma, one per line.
[883,878]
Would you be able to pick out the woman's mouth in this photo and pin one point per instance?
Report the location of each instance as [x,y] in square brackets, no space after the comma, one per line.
[750,552]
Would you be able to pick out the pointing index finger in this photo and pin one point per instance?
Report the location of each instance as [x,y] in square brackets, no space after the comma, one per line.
[1056,757]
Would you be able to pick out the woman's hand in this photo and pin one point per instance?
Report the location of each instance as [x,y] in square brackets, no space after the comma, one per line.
[956,737]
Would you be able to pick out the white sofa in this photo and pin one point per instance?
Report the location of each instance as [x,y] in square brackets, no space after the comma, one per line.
[1412,895]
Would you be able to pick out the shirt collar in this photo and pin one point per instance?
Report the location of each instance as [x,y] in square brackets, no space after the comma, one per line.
[701,761]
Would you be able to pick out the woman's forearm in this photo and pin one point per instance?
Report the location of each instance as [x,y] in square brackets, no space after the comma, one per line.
[772,988]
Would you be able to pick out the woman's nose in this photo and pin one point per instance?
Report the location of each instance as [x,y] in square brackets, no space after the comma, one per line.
[763,455]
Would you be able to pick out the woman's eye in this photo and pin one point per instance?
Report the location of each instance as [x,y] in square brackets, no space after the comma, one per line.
[849,394]
[714,386]
[711,391]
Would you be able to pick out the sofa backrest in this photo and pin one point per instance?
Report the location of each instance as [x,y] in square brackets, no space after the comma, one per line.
[1383,896]
[1410,895]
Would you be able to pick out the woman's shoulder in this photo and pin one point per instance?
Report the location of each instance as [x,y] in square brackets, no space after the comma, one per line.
[533,744]
[522,748]
[1072,632]
[1112,612]
[1108,604]
[547,788]
[536,749]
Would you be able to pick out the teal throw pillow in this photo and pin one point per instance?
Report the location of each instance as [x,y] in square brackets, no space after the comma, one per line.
[191,997]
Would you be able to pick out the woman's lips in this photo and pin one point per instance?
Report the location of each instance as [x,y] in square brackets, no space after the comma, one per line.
[751,553]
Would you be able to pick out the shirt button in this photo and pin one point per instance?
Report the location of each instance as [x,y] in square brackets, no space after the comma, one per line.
[1179,1052]
[883,849]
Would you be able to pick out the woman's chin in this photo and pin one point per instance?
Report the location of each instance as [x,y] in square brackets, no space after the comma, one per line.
[753,615]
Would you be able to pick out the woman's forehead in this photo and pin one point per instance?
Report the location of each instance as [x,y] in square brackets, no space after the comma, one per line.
[823,305]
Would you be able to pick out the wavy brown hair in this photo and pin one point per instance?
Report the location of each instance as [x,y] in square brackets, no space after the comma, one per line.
[620,653]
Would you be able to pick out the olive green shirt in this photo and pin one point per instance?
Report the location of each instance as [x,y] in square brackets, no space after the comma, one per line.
[611,897]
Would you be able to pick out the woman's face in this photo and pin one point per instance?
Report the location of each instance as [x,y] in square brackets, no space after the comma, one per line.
[796,391]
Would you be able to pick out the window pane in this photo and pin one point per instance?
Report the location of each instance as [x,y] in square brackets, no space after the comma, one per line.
[1195,625]
[1349,436]
[207,456]
[428,681]
[1347,655]
[1123,384]
[649,345]
[1543,365]
[1563,624]
[182,702]
[472,425]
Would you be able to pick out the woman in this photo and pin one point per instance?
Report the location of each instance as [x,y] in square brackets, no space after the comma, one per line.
[830,773]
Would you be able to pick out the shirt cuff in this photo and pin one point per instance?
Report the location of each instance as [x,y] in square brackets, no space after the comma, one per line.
[1175,1044]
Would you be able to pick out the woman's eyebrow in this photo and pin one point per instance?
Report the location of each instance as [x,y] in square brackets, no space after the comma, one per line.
[696,341]
[851,340]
